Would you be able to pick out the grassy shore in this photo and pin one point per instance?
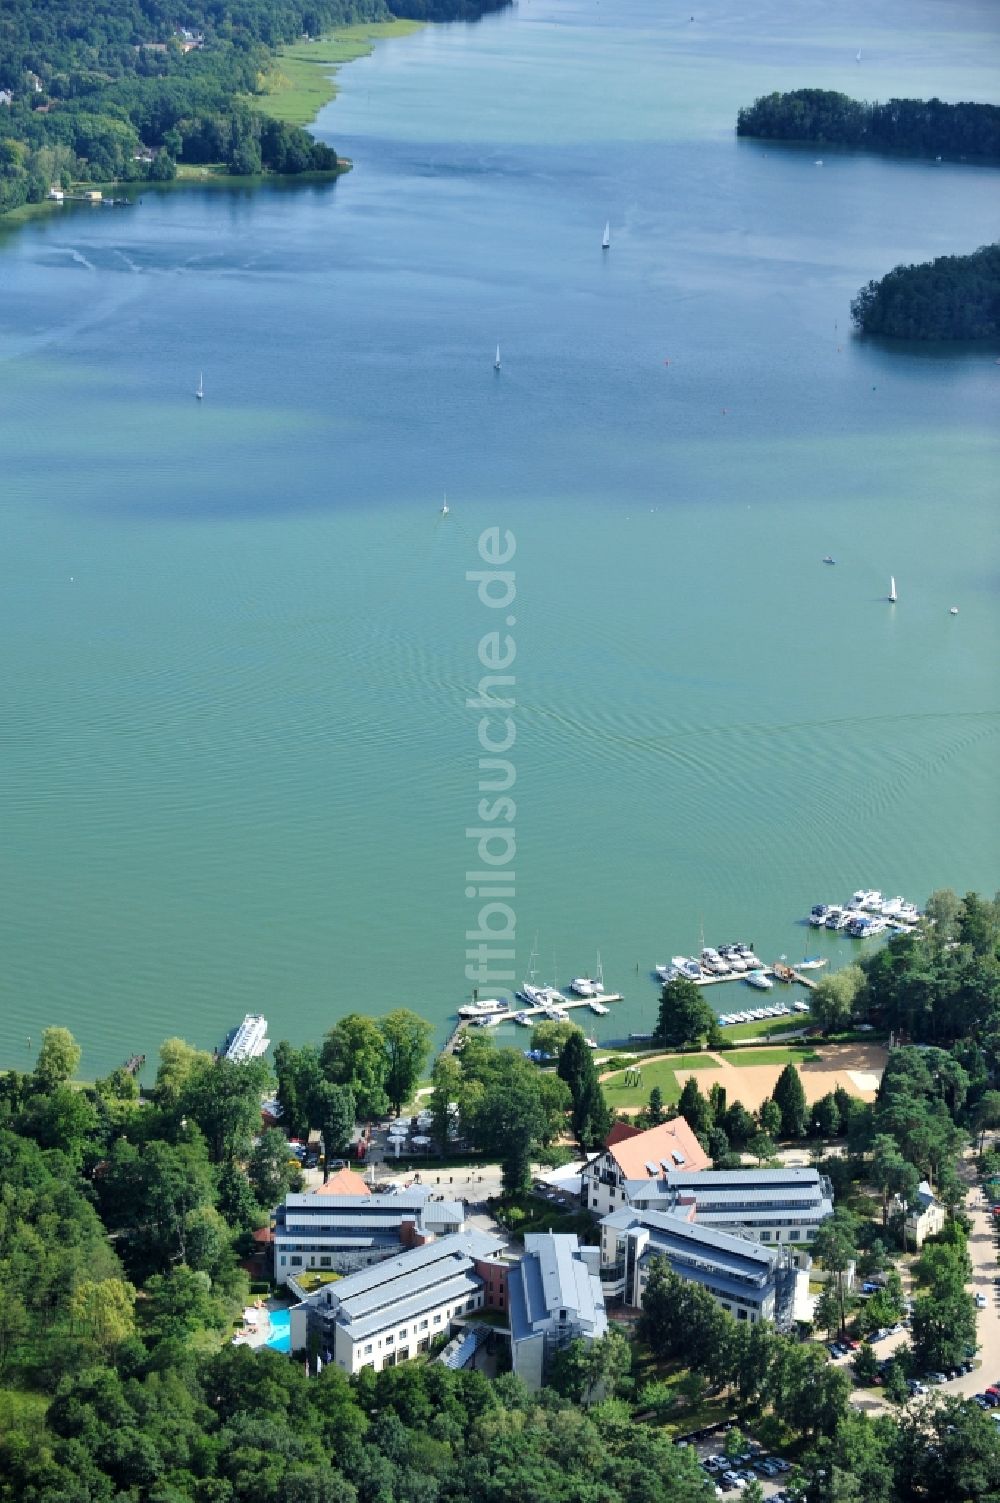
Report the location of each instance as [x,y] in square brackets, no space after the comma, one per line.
[301,81]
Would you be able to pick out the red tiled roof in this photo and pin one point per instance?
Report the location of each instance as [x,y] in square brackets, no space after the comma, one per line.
[345,1182]
[620,1132]
[657,1146]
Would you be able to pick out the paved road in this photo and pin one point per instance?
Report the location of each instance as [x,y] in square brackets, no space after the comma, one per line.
[985,1269]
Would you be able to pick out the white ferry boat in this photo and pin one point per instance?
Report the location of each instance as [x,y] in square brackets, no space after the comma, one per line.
[490,1007]
[248,1041]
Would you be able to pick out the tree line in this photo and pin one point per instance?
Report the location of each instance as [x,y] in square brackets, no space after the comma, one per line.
[923,127]
[125,91]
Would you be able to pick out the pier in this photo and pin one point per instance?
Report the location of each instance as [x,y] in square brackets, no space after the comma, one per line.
[788,974]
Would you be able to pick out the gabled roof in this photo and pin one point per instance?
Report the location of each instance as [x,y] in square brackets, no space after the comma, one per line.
[344,1182]
[646,1155]
[620,1132]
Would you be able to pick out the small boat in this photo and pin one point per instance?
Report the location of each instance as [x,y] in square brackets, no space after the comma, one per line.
[761,980]
[829,559]
[444,507]
[590,1043]
[814,963]
[859,55]
[606,238]
[953,611]
[200,393]
[598,1007]
[819,162]
[892,589]
[496,359]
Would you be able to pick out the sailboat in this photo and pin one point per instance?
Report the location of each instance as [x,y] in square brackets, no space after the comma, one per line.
[444,507]
[496,359]
[892,589]
[200,393]
[606,239]
[859,54]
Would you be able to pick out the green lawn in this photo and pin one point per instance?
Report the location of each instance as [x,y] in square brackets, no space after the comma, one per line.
[302,82]
[796,1053]
[659,1073]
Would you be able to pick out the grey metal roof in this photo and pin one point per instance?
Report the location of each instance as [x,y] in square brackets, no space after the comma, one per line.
[554,1276]
[719,1248]
[405,1199]
[460,1288]
[714,1279]
[409,1271]
[703,1196]
[763,1179]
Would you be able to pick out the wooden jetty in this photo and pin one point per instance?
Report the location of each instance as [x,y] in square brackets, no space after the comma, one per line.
[788,974]
[134,1063]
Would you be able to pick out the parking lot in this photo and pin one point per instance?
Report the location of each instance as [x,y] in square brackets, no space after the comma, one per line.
[772,1471]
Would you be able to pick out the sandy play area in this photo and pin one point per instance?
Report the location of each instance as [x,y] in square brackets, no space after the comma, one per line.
[856,1067]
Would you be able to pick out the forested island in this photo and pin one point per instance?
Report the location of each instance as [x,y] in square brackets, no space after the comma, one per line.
[921,127]
[125,92]
[953,297]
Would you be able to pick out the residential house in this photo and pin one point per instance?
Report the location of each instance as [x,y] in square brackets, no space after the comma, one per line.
[556,1297]
[925,1217]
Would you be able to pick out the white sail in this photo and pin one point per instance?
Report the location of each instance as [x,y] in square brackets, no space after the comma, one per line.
[496,359]
[892,588]
[606,240]
[201,386]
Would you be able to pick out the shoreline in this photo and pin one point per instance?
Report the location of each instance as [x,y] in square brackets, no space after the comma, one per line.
[297,95]
[302,81]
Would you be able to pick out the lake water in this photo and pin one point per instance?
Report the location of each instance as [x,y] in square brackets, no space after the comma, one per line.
[238,640]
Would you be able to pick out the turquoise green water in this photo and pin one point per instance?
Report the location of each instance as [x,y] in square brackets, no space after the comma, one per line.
[238,639]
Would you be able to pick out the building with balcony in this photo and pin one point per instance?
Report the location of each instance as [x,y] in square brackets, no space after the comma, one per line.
[630,1156]
[781,1206]
[752,1282]
[385,1314]
[555,1297]
[344,1233]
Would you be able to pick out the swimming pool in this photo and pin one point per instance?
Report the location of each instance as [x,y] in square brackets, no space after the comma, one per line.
[281,1331]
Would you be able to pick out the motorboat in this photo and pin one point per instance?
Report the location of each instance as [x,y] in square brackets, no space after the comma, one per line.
[523,1018]
[690,969]
[488,1008]
[818,914]
[838,918]
[801,1006]
[667,972]
[761,980]
[585,986]
[812,963]
[590,1043]
[598,1007]
[873,902]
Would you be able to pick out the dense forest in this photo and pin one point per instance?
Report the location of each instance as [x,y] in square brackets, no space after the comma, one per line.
[126,90]
[953,297]
[924,127]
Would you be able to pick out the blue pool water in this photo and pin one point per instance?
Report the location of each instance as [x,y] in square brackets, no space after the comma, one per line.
[281,1331]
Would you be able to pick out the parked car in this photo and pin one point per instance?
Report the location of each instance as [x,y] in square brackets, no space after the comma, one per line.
[937,1378]
[981,1302]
